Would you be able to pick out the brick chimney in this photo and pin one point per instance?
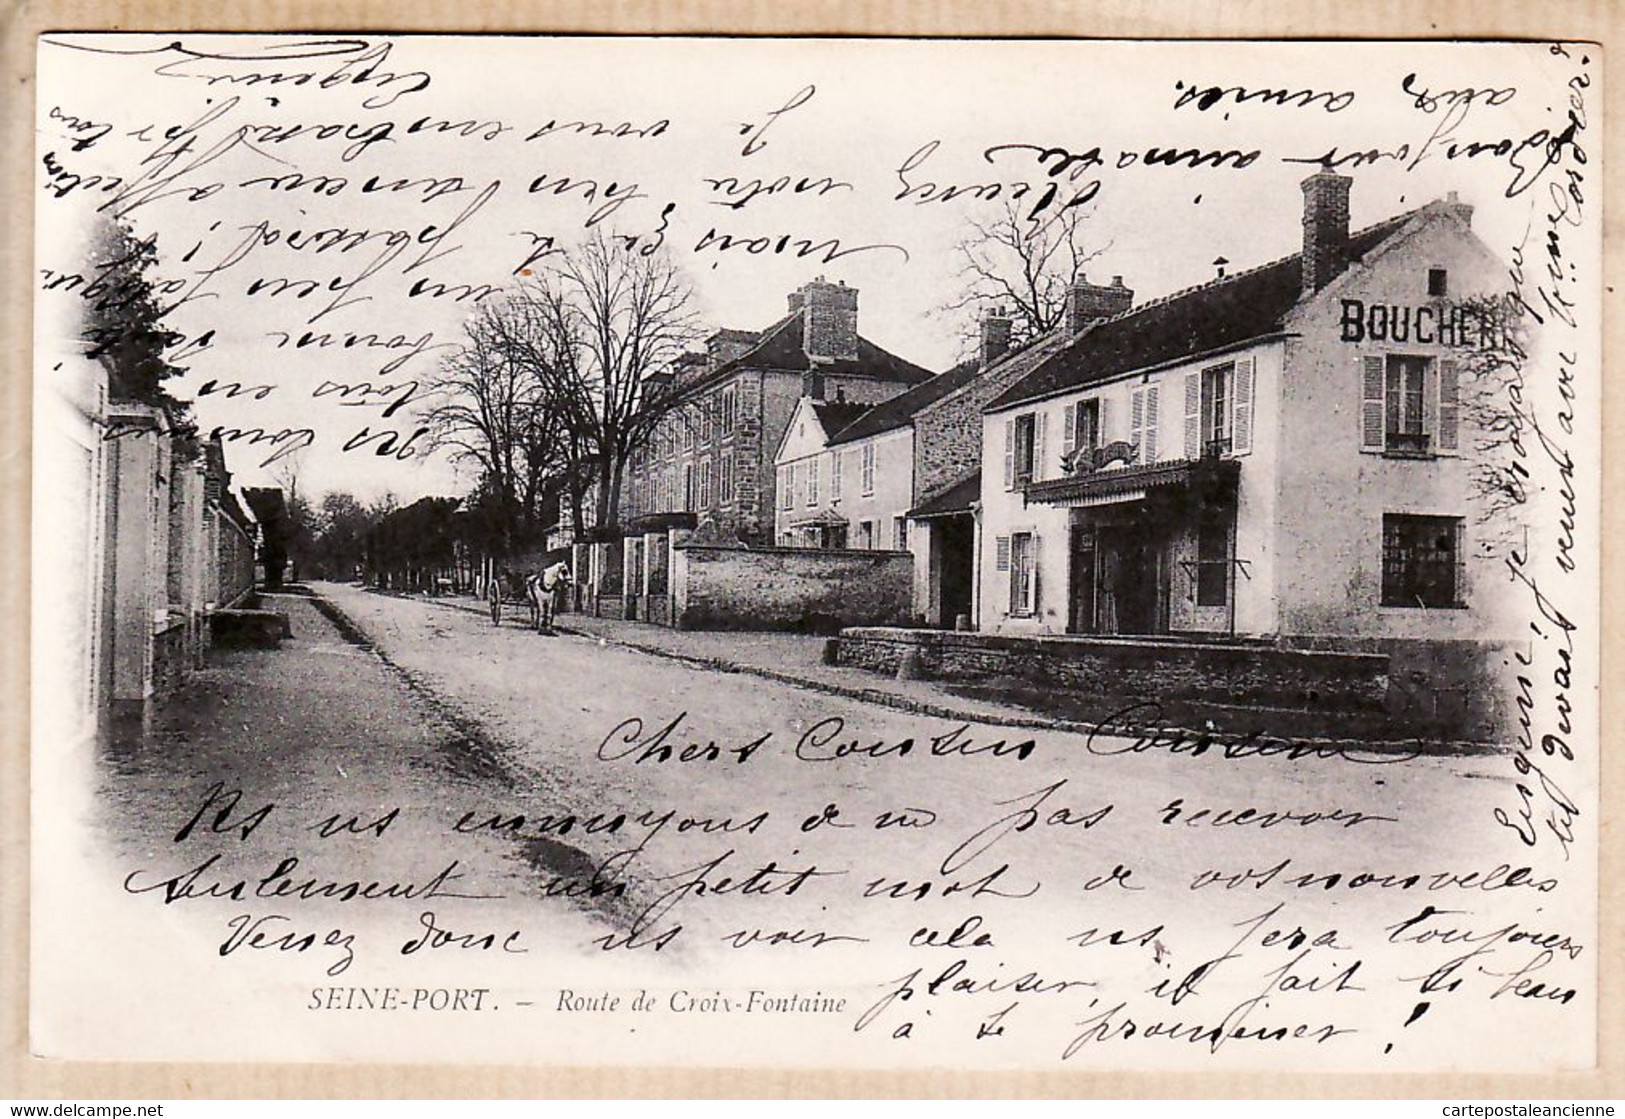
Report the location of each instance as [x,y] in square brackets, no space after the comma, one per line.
[1325,228]
[995,335]
[1088,303]
[829,319]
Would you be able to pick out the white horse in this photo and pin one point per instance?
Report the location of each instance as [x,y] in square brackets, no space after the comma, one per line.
[543,588]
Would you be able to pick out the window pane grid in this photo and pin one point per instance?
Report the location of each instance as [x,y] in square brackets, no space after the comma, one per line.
[1421,561]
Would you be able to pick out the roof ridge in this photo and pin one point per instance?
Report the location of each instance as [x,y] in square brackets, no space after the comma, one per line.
[1219,281]
[967,369]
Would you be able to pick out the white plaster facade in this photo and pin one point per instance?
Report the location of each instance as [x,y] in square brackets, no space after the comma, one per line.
[1301,475]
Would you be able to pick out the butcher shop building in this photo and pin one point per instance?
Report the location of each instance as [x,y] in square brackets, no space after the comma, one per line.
[1285,453]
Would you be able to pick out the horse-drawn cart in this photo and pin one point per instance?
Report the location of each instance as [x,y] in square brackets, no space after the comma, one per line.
[532,590]
[511,589]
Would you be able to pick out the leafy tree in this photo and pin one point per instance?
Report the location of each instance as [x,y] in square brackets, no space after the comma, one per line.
[123,326]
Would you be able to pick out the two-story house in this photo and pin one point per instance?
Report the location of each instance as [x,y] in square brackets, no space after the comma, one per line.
[1277,453]
[713,454]
[948,451]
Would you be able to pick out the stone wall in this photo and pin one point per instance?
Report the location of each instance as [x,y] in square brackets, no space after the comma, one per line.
[717,587]
[948,432]
[1238,674]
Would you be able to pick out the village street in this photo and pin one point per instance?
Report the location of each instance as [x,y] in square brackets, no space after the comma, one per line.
[682,826]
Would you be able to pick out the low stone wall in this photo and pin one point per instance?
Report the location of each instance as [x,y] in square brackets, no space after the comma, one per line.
[1236,674]
[810,590]
[1466,686]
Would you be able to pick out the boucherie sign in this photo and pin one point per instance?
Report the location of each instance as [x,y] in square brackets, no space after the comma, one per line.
[1425,324]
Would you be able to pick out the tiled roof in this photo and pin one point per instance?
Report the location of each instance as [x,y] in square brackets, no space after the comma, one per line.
[1213,315]
[897,412]
[780,347]
[957,498]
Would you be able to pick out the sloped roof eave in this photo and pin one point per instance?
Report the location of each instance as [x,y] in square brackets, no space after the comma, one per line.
[1254,303]
[1000,404]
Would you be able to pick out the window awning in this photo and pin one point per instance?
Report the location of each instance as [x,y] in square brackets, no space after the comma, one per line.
[1134,483]
[956,500]
[824,518]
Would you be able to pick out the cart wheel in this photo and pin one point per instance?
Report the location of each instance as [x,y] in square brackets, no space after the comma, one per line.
[496,610]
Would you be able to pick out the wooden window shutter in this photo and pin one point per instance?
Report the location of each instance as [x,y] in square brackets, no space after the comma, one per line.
[1241,429]
[1460,597]
[1103,434]
[1035,550]
[1039,425]
[1001,553]
[1374,383]
[1136,422]
[1193,414]
[1449,405]
[1150,425]
[1069,436]
[1009,456]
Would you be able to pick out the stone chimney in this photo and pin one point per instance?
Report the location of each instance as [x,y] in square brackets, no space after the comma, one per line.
[1325,228]
[829,319]
[725,345]
[1455,207]
[690,365]
[1088,303]
[995,335]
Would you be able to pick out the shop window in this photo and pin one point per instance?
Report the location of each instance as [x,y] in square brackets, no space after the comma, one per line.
[1422,561]
[1213,561]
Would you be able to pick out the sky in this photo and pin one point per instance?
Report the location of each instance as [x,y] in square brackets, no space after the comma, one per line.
[448,161]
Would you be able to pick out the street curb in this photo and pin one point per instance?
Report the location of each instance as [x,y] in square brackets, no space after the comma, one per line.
[946,711]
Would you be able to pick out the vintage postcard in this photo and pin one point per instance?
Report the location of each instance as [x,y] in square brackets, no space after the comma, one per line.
[816,553]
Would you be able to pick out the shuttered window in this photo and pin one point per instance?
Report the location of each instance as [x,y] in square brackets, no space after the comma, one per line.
[1023,455]
[1241,427]
[1023,574]
[1410,405]
[1142,430]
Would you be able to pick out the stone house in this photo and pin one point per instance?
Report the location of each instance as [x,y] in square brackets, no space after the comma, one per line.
[713,455]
